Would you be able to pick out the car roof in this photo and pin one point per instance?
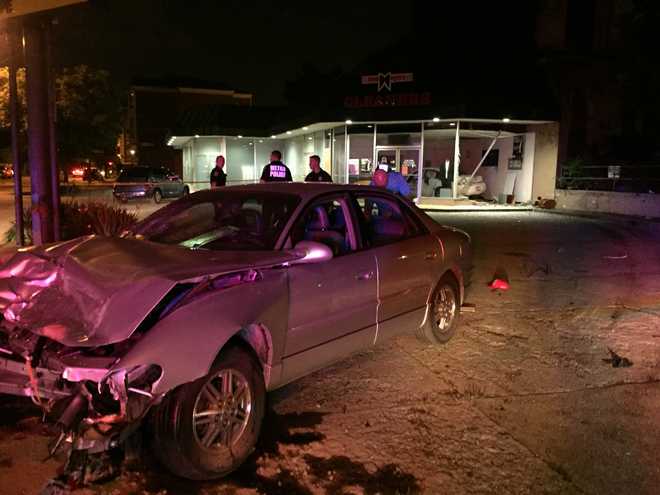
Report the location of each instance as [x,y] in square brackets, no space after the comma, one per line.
[305,190]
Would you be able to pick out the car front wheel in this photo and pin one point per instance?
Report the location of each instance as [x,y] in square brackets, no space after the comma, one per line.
[158,196]
[206,429]
[443,312]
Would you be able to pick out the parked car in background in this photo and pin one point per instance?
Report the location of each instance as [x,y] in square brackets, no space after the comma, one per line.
[6,171]
[149,183]
[185,322]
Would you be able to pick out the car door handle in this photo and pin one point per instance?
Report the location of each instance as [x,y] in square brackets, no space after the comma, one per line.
[364,275]
[431,256]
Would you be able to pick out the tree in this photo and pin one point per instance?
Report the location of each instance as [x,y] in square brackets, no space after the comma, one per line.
[5,120]
[88,111]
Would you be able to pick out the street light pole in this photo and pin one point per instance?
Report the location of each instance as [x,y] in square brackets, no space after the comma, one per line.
[52,143]
[38,133]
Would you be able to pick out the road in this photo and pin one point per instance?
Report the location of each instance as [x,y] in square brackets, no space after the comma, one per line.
[521,401]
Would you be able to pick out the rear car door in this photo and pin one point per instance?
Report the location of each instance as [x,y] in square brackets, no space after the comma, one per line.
[407,256]
[332,308]
[175,183]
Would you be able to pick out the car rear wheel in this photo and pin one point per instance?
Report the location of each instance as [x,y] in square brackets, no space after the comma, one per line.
[443,312]
[206,429]
[158,196]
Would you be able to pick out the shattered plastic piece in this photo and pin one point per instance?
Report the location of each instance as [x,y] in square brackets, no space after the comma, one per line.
[547,204]
[620,257]
[618,361]
[499,284]
[500,280]
[468,308]
[55,487]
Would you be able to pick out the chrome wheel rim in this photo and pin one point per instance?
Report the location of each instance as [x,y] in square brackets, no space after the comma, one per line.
[444,309]
[222,410]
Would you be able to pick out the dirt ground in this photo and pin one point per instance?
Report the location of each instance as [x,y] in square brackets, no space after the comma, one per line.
[524,400]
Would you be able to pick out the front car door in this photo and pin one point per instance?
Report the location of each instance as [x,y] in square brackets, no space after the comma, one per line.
[332,309]
[163,181]
[407,256]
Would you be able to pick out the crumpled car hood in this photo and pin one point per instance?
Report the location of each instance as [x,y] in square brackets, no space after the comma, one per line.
[96,290]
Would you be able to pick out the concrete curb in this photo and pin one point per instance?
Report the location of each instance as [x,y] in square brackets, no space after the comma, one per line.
[599,215]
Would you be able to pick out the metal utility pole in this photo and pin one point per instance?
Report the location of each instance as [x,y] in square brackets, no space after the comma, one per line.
[38,133]
[52,142]
[12,39]
[457,159]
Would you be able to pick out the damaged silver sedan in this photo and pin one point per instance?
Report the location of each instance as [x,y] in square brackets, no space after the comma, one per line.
[183,324]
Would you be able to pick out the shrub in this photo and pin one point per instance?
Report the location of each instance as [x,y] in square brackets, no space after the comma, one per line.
[78,219]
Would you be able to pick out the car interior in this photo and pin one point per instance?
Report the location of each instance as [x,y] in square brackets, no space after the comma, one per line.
[324,223]
[383,220]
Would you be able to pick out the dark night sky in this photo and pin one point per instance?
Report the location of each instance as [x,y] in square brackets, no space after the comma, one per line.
[254,46]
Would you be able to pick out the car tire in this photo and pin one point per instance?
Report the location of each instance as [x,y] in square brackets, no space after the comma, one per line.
[185,192]
[158,196]
[178,439]
[443,312]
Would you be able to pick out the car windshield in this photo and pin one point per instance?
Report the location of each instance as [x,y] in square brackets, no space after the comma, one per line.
[137,174]
[221,221]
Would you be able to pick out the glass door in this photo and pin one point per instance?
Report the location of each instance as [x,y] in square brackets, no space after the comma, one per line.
[387,159]
[404,160]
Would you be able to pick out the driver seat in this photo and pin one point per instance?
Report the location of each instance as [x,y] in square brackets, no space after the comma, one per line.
[317,229]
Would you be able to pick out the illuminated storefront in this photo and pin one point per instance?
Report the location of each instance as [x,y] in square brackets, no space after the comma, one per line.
[384,118]
[513,157]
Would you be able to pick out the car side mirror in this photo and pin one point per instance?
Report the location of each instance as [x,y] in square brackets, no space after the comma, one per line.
[311,252]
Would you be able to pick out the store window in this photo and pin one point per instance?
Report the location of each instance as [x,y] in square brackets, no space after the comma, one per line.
[438,159]
[361,153]
[240,160]
[339,164]
[399,135]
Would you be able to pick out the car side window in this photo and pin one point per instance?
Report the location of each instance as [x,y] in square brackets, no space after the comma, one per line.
[159,175]
[383,221]
[325,222]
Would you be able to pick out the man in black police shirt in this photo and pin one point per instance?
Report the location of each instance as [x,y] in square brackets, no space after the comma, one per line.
[218,175]
[276,171]
[317,174]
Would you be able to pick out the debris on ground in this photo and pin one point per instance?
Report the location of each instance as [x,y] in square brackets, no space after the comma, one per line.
[499,284]
[546,203]
[468,308]
[531,267]
[500,280]
[616,257]
[617,361]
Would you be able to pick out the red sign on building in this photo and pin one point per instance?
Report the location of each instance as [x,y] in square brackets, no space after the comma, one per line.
[385,80]
[388,100]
